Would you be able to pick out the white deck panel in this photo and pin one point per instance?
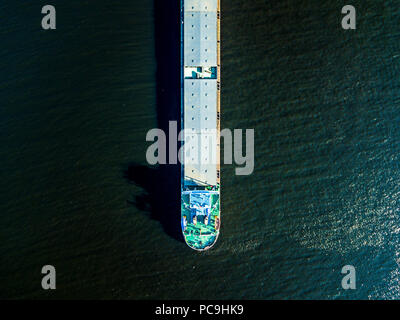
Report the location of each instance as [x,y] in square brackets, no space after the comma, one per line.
[200,111]
[201,5]
[200,166]
[200,124]
[200,39]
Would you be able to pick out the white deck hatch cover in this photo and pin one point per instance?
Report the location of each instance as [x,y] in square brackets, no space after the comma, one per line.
[200,124]
[201,5]
[200,32]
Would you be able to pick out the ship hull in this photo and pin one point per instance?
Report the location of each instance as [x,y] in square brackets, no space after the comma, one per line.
[200,123]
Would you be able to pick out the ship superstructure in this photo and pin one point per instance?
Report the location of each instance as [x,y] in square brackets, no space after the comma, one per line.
[200,118]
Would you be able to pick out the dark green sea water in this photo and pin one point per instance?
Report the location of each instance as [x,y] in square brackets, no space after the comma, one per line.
[75,192]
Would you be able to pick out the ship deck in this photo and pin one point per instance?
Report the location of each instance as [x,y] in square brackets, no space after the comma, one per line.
[204,231]
[200,116]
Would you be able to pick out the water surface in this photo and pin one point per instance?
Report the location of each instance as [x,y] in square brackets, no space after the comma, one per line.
[75,106]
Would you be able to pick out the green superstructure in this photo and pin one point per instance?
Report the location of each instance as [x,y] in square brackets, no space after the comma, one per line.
[200,218]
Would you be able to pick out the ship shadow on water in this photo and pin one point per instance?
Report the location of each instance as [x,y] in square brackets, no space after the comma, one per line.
[160,196]
[161,184]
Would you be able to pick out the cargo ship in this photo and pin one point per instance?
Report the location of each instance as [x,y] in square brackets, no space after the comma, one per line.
[200,122]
